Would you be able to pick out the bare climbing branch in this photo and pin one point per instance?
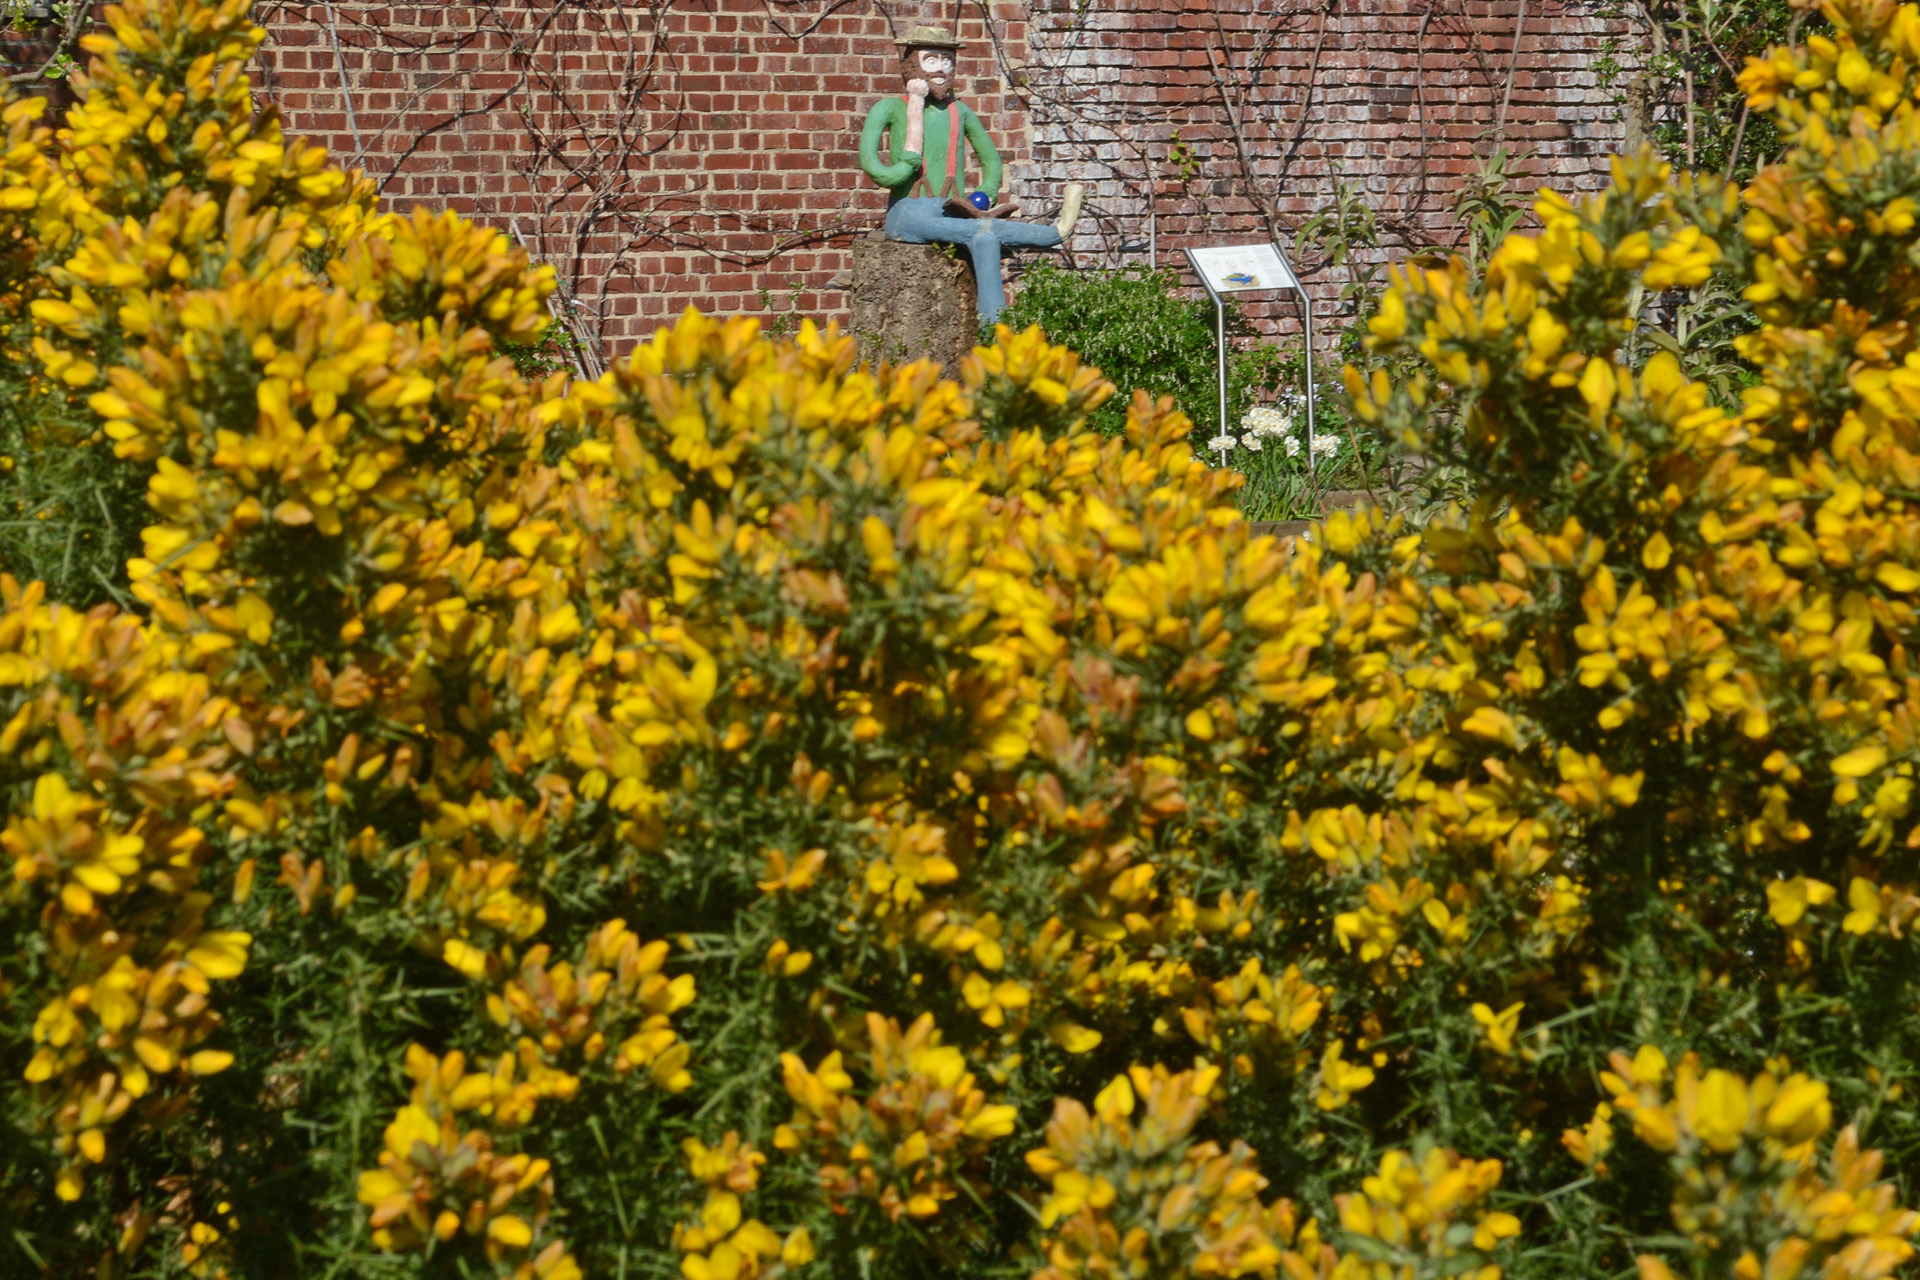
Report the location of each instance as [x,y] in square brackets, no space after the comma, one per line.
[1513,65]
[75,22]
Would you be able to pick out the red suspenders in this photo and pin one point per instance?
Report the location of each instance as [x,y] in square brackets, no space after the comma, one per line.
[956,171]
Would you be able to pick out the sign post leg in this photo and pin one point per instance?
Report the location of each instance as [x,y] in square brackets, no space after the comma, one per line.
[1306,306]
[1220,316]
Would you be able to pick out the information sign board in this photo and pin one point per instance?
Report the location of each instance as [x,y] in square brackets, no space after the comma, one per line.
[1239,268]
[1254,268]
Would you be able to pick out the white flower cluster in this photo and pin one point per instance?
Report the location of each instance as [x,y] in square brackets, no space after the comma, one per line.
[1276,422]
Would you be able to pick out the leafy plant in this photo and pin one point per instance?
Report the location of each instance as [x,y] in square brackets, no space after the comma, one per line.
[1137,329]
[1182,158]
[1488,206]
[759,816]
[1143,336]
[1681,80]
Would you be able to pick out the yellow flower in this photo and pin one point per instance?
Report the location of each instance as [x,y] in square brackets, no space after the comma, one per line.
[1499,1028]
[1788,900]
[1339,1080]
[1800,1111]
[1721,1111]
[1073,1037]
[1860,762]
[1864,897]
[1591,1143]
[993,999]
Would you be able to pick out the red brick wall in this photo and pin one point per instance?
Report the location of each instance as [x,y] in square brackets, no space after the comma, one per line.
[702,152]
[1398,98]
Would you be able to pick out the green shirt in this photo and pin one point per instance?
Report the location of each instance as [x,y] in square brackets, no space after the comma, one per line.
[889,117]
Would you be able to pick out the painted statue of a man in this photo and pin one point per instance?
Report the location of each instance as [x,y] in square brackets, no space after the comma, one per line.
[928,133]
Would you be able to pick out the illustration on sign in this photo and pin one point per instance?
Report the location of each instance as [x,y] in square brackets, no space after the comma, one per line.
[1237,268]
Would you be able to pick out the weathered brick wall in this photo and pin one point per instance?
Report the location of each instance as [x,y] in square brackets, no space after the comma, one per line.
[702,151]
[1400,99]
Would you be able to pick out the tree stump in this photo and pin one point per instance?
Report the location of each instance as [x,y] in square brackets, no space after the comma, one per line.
[912,302]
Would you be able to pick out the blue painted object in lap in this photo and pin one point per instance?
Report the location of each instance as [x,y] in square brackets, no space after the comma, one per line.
[980,201]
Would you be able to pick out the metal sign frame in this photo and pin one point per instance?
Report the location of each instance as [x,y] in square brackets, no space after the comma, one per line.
[1220,320]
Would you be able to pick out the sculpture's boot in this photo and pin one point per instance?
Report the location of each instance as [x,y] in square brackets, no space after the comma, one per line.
[1070,209]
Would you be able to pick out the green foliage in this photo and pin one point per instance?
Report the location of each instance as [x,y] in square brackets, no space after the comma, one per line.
[68,517]
[1488,204]
[1135,328]
[557,351]
[1142,335]
[1679,78]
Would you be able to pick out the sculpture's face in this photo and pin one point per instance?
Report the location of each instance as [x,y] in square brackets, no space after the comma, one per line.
[935,66]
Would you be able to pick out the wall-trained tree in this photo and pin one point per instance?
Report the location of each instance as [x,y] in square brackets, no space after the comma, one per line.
[754,816]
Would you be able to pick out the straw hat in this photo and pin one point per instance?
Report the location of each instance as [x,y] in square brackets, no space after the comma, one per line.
[927,37]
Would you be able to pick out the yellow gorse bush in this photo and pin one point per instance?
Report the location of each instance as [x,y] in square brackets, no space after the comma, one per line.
[1752,1198]
[719,1245]
[436,1181]
[923,1122]
[1141,1198]
[756,814]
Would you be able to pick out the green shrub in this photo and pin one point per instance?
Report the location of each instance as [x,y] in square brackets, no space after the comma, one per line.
[1134,327]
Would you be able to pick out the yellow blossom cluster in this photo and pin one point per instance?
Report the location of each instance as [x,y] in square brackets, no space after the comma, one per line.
[1138,1196]
[437,1183]
[1750,1193]
[1255,1011]
[1424,1214]
[616,999]
[718,1244]
[916,1138]
[108,858]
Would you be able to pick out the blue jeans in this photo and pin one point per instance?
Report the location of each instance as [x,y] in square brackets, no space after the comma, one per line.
[923,220]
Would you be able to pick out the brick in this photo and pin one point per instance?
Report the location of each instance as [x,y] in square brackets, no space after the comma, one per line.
[741,135]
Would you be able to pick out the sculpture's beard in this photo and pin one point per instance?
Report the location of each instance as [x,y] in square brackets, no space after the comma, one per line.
[938,73]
